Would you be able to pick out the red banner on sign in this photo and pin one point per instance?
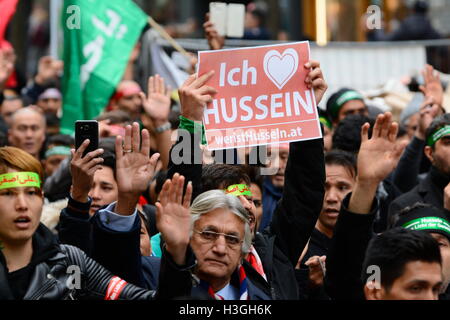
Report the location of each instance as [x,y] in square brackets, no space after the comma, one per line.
[262,96]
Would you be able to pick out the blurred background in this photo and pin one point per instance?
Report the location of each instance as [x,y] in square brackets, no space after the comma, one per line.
[369,45]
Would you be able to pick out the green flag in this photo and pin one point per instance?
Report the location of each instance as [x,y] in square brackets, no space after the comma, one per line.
[98,38]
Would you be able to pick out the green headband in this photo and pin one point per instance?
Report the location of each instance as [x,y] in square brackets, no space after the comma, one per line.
[325,122]
[19,180]
[346,97]
[438,135]
[428,223]
[58,150]
[238,190]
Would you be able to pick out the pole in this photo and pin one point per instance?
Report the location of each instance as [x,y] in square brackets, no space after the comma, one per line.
[167,36]
[54,17]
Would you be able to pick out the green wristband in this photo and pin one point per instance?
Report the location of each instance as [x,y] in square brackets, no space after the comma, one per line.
[193,127]
[19,180]
[438,135]
[238,190]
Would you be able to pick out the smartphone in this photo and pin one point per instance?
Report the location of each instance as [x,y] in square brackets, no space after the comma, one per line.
[218,16]
[235,20]
[86,129]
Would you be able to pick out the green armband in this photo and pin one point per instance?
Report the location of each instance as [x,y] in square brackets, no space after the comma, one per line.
[193,127]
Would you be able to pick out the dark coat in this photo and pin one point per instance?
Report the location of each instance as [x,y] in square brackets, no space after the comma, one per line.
[430,191]
[119,252]
[351,237]
[50,279]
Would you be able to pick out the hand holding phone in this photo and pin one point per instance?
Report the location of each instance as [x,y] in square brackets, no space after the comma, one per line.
[86,129]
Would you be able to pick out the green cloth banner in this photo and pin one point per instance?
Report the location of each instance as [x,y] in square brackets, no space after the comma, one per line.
[98,39]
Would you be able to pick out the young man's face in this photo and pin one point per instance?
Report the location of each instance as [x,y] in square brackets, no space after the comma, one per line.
[352,107]
[419,281]
[217,259]
[104,191]
[444,247]
[257,201]
[52,163]
[20,213]
[339,182]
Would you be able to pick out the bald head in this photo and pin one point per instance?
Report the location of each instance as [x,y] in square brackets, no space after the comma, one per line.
[27,130]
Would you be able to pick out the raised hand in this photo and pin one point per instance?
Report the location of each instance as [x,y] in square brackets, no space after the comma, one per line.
[157,104]
[134,167]
[428,111]
[173,218]
[6,67]
[317,270]
[377,157]
[83,169]
[48,70]
[315,80]
[432,86]
[194,95]
[215,40]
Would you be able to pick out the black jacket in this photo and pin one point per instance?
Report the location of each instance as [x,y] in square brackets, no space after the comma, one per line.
[351,237]
[281,244]
[119,252]
[51,278]
[430,190]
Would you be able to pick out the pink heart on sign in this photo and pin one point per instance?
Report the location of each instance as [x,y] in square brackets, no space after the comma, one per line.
[280,68]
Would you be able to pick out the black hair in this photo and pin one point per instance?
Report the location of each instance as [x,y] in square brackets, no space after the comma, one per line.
[347,135]
[395,216]
[52,120]
[332,100]
[421,6]
[115,117]
[219,176]
[343,159]
[437,124]
[254,175]
[109,154]
[401,131]
[393,249]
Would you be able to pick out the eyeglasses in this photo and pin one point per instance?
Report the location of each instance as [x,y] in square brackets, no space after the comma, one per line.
[212,236]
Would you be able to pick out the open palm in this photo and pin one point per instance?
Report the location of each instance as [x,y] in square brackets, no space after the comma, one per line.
[157,104]
[173,217]
[134,168]
[379,155]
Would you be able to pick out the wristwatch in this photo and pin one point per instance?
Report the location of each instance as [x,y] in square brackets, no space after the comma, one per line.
[164,127]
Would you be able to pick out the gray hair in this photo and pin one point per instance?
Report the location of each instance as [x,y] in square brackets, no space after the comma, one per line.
[217,199]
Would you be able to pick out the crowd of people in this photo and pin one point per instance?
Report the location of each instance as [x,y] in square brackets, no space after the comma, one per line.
[361,214]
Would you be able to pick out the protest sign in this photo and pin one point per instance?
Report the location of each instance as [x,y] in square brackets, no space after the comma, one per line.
[262,96]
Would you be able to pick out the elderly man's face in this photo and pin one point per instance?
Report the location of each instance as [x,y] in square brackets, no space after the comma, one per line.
[27,132]
[218,258]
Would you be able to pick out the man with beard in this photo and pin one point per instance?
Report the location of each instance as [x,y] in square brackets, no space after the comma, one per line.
[431,189]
